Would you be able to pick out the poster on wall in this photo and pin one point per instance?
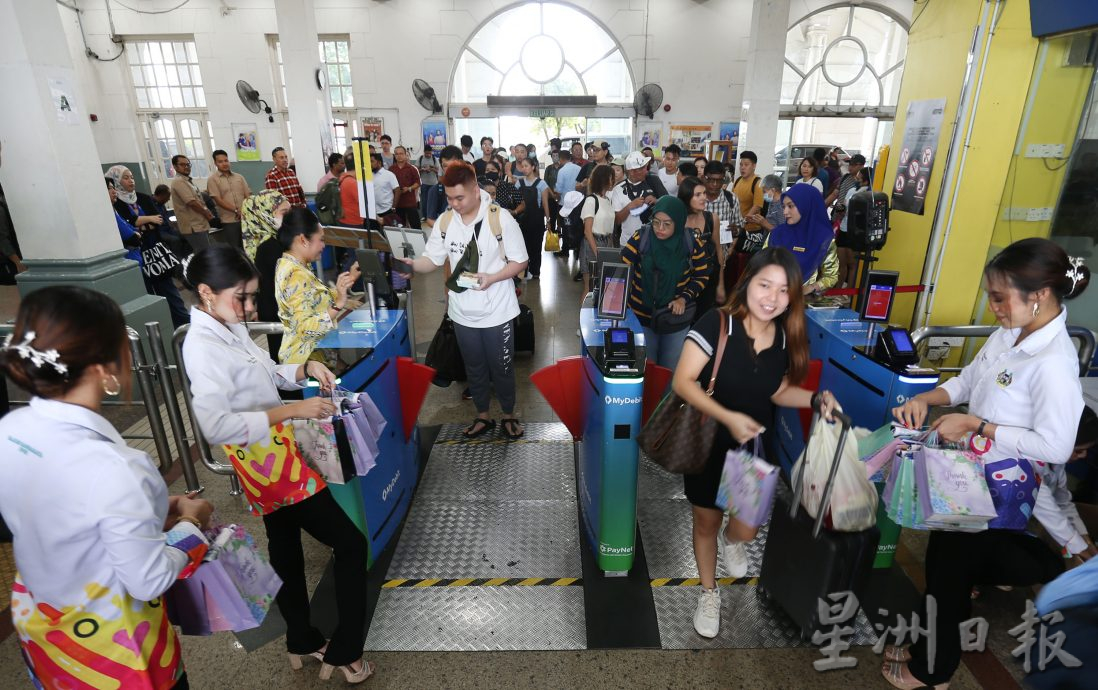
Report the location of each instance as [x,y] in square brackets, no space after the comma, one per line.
[434,134]
[921,130]
[690,138]
[247,141]
[372,129]
[729,131]
[650,136]
[64,99]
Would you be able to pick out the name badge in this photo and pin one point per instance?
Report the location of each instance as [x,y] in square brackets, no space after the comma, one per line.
[798,249]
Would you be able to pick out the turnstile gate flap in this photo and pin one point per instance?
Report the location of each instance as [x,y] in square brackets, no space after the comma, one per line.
[656,380]
[562,385]
[414,379]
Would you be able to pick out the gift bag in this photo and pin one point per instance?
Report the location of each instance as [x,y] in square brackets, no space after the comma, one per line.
[316,440]
[444,355]
[953,494]
[877,450]
[232,591]
[903,500]
[552,242]
[363,447]
[747,486]
[1013,484]
[853,504]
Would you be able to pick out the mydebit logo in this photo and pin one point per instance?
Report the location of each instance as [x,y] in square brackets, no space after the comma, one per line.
[612,400]
[389,489]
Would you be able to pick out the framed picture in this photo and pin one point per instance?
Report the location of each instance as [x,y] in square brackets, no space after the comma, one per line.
[372,129]
[434,133]
[691,138]
[650,135]
[247,142]
[723,151]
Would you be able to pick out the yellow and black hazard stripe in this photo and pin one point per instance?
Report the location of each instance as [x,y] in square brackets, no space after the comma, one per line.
[696,582]
[485,582]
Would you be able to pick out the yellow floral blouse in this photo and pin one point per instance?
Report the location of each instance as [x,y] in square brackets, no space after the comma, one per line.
[303,304]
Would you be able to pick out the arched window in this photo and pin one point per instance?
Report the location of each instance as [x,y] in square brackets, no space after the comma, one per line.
[542,49]
[844,59]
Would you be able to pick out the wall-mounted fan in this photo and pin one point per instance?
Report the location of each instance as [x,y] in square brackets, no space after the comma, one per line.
[648,100]
[251,100]
[425,95]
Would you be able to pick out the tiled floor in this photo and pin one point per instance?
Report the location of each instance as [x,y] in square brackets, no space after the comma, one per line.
[220,661]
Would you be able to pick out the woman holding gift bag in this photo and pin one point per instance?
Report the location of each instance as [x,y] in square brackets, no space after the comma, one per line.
[1024,402]
[235,389]
[87,512]
[765,355]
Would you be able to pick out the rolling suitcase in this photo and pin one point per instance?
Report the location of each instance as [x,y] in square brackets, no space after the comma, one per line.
[803,563]
[524,330]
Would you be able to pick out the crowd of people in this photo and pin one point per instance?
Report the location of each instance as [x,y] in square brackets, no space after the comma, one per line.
[720,262]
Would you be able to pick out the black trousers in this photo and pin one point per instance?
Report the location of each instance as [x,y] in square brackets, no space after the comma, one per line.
[533,234]
[326,522]
[410,216]
[955,563]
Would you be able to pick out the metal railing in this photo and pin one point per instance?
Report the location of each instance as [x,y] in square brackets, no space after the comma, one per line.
[204,452]
[1084,336]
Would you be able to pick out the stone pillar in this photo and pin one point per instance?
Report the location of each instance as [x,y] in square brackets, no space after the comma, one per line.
[763,87]
[309,106]
[53,179]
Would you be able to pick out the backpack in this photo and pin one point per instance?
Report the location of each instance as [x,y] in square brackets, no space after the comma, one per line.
[329,205]
[493,223]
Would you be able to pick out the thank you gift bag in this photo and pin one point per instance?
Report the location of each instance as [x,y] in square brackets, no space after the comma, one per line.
[1013,484]
[747,486]
[317,443]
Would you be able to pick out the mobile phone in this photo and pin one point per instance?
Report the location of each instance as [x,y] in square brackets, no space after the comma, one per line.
[400,267]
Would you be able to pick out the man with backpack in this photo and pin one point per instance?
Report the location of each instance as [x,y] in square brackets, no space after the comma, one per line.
[329,201]
[633,197]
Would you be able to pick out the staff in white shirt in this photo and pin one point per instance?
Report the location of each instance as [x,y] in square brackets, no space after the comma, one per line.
[1025,399]
[88,513]
[385,185]
[482,302]
[234,386]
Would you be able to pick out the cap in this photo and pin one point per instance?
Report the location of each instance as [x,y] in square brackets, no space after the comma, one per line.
[569,202]
[599,143]
[636,160]
[857,159]
[620,160]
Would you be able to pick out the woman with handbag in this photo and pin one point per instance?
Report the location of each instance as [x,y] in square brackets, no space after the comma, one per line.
[706,228]
[808,234]
[234,385]
[752,353]
[669,274]
[1024,402]
[97,538]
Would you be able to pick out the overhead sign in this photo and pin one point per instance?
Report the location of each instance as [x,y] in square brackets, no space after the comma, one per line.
[921,130]
[1049,17]
[543,112]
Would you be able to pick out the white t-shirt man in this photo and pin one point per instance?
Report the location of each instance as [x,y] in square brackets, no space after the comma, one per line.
[468,157]
[670,180]
[385,183]
[497,304]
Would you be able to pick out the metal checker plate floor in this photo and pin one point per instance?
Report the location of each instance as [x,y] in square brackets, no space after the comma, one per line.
[470,472]
[535,431]
[666,528]
[478,619]
[656,482]
[747,622]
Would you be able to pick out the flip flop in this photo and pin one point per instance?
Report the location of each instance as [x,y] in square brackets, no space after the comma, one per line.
[473,432]
[509,427]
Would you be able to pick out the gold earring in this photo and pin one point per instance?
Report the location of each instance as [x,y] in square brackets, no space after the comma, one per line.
[1036,309]
[209,304]
[111,385]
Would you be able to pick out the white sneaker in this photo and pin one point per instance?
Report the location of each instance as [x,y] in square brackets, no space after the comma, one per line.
[707,617]
[735,557]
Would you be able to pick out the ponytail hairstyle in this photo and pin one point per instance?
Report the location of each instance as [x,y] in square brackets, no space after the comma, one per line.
[1033,264]
[793,320]
[297,221]
[61,331]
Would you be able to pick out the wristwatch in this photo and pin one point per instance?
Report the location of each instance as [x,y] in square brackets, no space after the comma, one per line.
[980,429]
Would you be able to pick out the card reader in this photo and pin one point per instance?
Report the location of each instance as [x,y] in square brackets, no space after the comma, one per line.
[619,346]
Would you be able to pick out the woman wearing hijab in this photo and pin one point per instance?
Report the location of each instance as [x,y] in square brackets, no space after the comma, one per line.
[807,232]
[260,217]
[669,274]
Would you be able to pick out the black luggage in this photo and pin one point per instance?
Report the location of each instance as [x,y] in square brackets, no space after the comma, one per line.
[524,330]
[803,563]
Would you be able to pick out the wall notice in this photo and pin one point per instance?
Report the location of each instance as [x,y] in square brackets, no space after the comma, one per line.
[64,99]
[920,148]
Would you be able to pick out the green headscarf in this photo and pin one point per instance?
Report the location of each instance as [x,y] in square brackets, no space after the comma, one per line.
[665,261]
[257,219]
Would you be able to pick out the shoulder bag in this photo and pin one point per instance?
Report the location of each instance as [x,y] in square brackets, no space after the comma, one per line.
[678,437]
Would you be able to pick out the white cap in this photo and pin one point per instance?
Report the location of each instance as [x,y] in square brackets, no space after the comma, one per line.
[569,202]
[636,160]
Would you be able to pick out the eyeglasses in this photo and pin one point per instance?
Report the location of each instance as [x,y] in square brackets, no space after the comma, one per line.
[714,179]
[663,223]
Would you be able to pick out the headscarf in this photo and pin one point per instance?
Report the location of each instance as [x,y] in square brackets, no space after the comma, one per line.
[664,261]
[115,173]
[257,222]
[810,237]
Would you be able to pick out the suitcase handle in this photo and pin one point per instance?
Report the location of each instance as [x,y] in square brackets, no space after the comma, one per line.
[798,475]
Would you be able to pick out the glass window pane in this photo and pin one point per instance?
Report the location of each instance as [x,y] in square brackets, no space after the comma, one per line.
[516,84]
[142,99]
[185,75]
[154,98]
[143,53]
[609,80]
[172,75]
[188,98]
[177,98]
[348,97]
[474,80]
[192,54]
[333,74]
[150,75]
[196,75]
[567,84]
[334,97]
[180,53]
[200,98]
[343,51]
[329,51]
[345,75]
[137,80]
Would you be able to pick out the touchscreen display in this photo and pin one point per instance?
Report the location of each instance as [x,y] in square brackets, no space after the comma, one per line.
[613,291]
[878,301]
[902,340]
[619,336]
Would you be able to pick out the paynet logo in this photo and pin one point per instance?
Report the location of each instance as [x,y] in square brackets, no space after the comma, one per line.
[608,550]
[622,401]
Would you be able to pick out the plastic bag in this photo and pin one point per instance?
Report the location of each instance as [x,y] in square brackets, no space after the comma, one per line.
[853,504]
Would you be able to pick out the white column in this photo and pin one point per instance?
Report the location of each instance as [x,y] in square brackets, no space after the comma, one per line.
[310,108]
[763,86]
[52,175]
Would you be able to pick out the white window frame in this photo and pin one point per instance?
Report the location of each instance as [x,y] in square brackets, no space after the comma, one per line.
[347,115]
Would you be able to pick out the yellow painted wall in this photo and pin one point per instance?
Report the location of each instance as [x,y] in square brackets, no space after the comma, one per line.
[937,48]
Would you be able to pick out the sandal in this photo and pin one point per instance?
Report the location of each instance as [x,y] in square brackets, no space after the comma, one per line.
[512,428]
[894,672]
[473,432]
[897,653]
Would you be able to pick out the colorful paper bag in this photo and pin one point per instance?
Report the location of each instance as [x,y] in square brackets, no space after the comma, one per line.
[1013,484]
[951,489]
[316,440]
[747,487]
